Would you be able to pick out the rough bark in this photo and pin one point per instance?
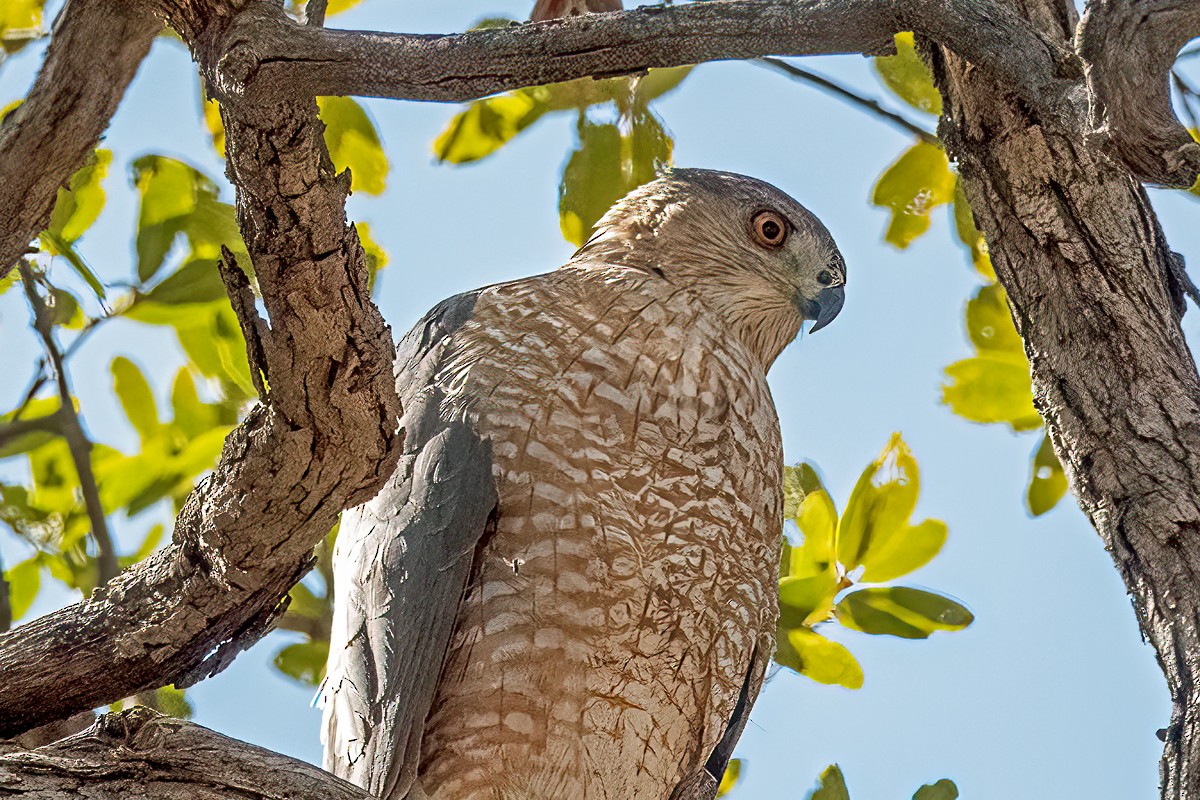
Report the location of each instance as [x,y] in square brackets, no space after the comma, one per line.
[1089,276]
[324,440]
[93,55]
[139,753]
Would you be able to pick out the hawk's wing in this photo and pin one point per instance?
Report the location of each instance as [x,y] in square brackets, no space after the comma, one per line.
[401,565]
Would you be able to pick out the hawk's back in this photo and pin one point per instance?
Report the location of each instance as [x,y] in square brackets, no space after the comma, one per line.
[631,578]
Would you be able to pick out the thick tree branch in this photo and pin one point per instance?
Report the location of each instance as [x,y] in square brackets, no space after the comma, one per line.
[1129,47]
[72,430]
[139,753]
[271,53]
[93,54]
[325,440]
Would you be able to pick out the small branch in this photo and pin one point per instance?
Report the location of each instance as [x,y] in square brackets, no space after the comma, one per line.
[93,54]
[71,428]
[1188,94]
[140,753]
[314,12]
[1129,47]
[77,441]
[855,99]
[6,616]
[50,423]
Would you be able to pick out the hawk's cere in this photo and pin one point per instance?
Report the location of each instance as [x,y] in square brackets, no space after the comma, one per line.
[568,587]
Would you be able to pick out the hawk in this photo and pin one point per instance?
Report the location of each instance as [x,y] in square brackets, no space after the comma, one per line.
[567,589]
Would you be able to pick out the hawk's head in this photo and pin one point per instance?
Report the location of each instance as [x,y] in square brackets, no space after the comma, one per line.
[751,251]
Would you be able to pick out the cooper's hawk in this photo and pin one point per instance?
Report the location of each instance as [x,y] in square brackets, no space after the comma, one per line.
[568,587]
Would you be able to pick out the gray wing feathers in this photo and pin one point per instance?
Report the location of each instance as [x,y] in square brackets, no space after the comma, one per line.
[401,566]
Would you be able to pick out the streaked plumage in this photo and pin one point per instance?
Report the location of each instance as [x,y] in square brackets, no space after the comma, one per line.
[567,590]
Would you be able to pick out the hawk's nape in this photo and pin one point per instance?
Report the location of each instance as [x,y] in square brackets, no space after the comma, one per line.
[568,588]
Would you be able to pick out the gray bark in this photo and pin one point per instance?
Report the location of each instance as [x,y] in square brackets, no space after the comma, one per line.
[1053,140]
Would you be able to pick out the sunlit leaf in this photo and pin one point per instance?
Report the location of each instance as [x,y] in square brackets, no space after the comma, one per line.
[919,181]
[38,408]
[137,399]
[488,124]
[729,779]
[823,660]
[75,262]
[909,77]
[992,388]
[172,702]
[197,281]
[798,482]
[376,256]
[192,415]
[968,234]
[942,790]
[832,786]
[354,144]
[901,611]
[989,323]
[20,24]
[24,580]
[303,661]
[80,202]
[212,121]
[169,191]
[875,532]
[1048,481]
[606,165]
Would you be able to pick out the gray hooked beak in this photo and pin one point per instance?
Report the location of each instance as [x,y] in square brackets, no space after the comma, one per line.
[827,305]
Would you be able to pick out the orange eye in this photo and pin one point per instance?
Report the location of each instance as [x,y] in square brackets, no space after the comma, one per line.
[770,229]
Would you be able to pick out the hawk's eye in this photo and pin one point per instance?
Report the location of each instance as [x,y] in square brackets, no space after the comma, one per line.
[824,277]
[770,229]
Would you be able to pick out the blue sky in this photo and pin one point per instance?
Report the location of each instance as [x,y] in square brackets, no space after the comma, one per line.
[1051,693]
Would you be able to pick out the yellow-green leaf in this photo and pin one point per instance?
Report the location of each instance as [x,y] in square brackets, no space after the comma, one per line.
[137,399]
[968,234]
[729,779]
[823,660]
[214,123]
[303,661]
[992,388]
[487,125]
[909,77]
[901,611]
[169,190]
[172,702]
[880,505]
[80,202]
[919,181]
[20,24]
[65,310]
[24,580]
[377,257]
[832,786]
[902,550]
[1048,481]
[989,322]
[798,482]
[354,144]
[942,790]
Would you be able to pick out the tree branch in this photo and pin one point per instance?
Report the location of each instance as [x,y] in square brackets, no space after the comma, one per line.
[1129,47]
[93,54]
[77,441]
[855,99]
[139,753]
[272,53]
[325,440]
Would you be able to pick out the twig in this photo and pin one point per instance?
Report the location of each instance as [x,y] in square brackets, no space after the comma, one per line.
[848,95]
[50,423]
[314,12]
[5,603]
[72,431]
[39,375]
[1188,94]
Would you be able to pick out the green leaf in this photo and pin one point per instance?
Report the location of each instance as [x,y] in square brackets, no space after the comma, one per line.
[798,482]
[36,409]
[810,577]
[169,191]
[306,604]
[192,415]
[823,660]
[992,388]
[304,661]
[989,322]
[1047,482]
[212,121]
[833,785]
[901,611]
[874,532]
[172,702]
[65,309]
[909,77]
[24,581]
[942,790]
[80,202]
[487,125]
[968,234]
[20,24]
[76,262]
[607,165]
[197,281]
[919,181]
[137,399]
[376,256]
[8,281]
[354,144]
[729,778]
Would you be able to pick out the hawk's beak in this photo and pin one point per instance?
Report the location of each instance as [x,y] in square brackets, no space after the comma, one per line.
[827,306]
